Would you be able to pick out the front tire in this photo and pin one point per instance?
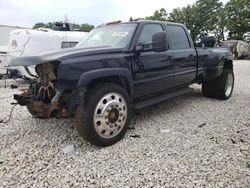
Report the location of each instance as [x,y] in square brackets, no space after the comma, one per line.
[29,108]
[221,88]
[104,119]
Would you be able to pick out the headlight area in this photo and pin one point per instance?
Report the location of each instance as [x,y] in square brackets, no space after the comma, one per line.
[42,98]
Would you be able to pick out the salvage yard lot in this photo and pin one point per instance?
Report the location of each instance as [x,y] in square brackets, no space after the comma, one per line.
[187,141]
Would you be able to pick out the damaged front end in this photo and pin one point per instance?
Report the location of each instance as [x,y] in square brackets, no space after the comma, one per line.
[42,98]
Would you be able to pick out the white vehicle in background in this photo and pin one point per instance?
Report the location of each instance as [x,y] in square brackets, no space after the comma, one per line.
[239,49]
[3,53]
[4,39]
[29,42]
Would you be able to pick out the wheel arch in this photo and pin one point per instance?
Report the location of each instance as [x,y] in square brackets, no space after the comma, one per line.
[213,72]
[119,76]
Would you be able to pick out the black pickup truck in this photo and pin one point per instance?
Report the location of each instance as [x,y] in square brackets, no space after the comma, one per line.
[121,67]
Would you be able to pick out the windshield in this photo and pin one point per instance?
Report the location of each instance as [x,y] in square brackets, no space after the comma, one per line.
[117,36]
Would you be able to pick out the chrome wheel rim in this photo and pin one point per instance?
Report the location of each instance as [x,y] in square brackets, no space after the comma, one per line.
[229,84]
[110,115]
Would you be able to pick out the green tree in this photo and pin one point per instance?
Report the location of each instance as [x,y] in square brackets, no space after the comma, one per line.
[158,15]
[187,16]
[83,27]
[50,25]
[44,25]
[238,18]
[202,18]
[39,25]
[207,14]
[210,18]
[220,25]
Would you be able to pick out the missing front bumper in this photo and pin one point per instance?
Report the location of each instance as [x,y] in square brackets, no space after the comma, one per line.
[23,99]
[40,109]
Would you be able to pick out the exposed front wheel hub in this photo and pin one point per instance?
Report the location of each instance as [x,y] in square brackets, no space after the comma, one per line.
[110,115]
[113,115]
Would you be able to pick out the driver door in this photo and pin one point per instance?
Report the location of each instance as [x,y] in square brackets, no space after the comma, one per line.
[152,71]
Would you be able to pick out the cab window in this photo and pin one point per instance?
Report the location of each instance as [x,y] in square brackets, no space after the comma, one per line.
[147,32]
[178,37]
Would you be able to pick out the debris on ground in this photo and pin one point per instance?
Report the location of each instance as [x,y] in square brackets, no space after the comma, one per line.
[165,131]
[135,136]
[233,141]
[131,128]
[248,165]
[32,155]
[202,125]
[68,149]
[13,86]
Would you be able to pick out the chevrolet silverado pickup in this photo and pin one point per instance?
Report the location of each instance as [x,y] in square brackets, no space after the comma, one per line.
[118,68]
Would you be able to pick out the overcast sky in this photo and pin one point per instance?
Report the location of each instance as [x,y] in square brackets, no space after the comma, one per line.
[28,12]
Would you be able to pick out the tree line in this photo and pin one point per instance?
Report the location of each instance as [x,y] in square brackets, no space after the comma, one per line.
[80,27]
[206,17]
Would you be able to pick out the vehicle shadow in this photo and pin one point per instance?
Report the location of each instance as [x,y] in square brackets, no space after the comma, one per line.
[172,104]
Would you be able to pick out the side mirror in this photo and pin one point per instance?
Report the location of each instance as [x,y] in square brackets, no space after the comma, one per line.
[139,48]
[159,41]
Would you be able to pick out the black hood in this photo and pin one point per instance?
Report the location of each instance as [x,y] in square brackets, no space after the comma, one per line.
[61,55]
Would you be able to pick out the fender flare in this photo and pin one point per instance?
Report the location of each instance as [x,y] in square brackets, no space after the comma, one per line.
[89,76]
[213,72]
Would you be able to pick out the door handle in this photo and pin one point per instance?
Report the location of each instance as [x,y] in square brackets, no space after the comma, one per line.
[169,57]
[140,76]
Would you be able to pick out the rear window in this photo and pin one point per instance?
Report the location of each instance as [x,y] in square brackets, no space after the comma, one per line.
[178,37]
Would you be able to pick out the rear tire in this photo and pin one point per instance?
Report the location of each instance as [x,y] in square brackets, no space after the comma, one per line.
[207,89]
[105,117]
[220,88]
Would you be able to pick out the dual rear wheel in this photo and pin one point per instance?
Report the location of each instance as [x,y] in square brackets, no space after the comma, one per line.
[221,87]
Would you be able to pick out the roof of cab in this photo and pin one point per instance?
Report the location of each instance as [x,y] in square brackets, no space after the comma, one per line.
[141,21]
[154,21]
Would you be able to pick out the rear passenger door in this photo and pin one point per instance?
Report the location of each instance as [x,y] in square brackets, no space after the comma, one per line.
[184,54]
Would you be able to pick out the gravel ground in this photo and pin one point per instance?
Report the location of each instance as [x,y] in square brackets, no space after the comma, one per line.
[190,141]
